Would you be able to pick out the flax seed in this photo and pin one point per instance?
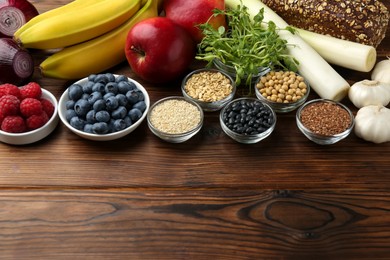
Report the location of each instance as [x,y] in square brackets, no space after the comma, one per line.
[325,118]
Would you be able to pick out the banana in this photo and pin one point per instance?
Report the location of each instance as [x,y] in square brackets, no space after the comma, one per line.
[98,54]
[78,25]
[68,8]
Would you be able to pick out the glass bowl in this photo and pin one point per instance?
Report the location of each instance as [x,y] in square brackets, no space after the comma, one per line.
[230,70]
[37,134]
[325,121]
[210,88]
[247,120]
[62,111]
[175,119]
[284,91]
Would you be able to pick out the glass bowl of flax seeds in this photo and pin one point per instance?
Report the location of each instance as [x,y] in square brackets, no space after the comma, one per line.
[211,89]
[325,121]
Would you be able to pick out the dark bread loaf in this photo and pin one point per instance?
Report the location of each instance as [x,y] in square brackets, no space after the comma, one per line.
[362,21]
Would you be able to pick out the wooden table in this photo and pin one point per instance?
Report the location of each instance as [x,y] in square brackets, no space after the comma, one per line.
[141,198]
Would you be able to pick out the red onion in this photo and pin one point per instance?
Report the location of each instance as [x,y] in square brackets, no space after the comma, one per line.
[16,63]
[14,14]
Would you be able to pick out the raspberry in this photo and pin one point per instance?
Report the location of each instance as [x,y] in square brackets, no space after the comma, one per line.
[1,117]
[13,124]
[9,105]
[10,89]
[31,90]
[36,121]
[48,107]
[30,106]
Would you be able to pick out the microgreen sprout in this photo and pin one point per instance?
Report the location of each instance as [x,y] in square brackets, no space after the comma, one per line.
[247,44]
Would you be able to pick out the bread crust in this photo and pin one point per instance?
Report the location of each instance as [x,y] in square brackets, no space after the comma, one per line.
[362,21]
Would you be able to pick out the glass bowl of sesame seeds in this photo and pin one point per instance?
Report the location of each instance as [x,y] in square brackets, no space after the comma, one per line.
[325,121]
[211,89]
[284,91]
[175,119]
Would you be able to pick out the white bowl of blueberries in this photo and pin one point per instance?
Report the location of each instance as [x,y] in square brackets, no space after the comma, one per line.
[104,107]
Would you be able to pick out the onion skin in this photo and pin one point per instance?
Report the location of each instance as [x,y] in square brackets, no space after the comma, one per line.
[14,14]
[16,63]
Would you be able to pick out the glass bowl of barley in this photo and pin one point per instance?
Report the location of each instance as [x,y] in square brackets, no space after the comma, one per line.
[211,89]
[284,91]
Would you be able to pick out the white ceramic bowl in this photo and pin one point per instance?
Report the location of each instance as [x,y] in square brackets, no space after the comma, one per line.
[102,137]
[37,134]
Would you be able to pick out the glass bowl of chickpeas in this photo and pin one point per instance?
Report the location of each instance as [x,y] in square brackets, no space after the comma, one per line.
[284,91]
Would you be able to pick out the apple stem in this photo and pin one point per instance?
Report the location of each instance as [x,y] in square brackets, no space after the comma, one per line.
[137,50]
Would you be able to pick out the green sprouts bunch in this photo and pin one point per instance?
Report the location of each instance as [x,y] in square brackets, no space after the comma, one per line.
[247,45]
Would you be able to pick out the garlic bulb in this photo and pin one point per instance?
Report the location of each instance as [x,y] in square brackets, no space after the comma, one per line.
[369,92]
[372,123]
[381,71]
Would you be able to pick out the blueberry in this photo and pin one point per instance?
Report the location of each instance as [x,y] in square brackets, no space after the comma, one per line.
[121,78]
[88,128]
[87,88]
[102,116]
[125,86]
[111,103]
[135,114]
[69,114]
[100,128]
[99,104]
[90,117]
[128,121]
[122,100]
[75,92]
[111,87]
[107,95]
[141,105]
[132,96]
[141,96]
[82,107]
[77,123]
[98,87]
[119,125]
[94,97]
[119,113]
[85,96]
[101,78]
[110,76]
[92,77]
[70,104]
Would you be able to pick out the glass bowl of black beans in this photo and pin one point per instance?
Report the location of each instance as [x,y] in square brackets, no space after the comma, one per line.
[325,121]
[247,120]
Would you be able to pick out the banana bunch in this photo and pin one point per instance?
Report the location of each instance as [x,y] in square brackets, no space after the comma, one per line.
[90,35]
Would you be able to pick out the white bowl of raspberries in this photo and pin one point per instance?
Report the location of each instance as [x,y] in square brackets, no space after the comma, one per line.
[103,107]
[27,113]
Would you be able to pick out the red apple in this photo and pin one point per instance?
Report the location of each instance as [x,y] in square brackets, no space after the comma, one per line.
[158,50]
[190,14]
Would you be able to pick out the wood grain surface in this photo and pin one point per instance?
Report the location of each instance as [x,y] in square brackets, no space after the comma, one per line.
[141,198]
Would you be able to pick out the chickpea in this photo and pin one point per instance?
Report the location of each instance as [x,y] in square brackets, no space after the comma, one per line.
[282,86]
